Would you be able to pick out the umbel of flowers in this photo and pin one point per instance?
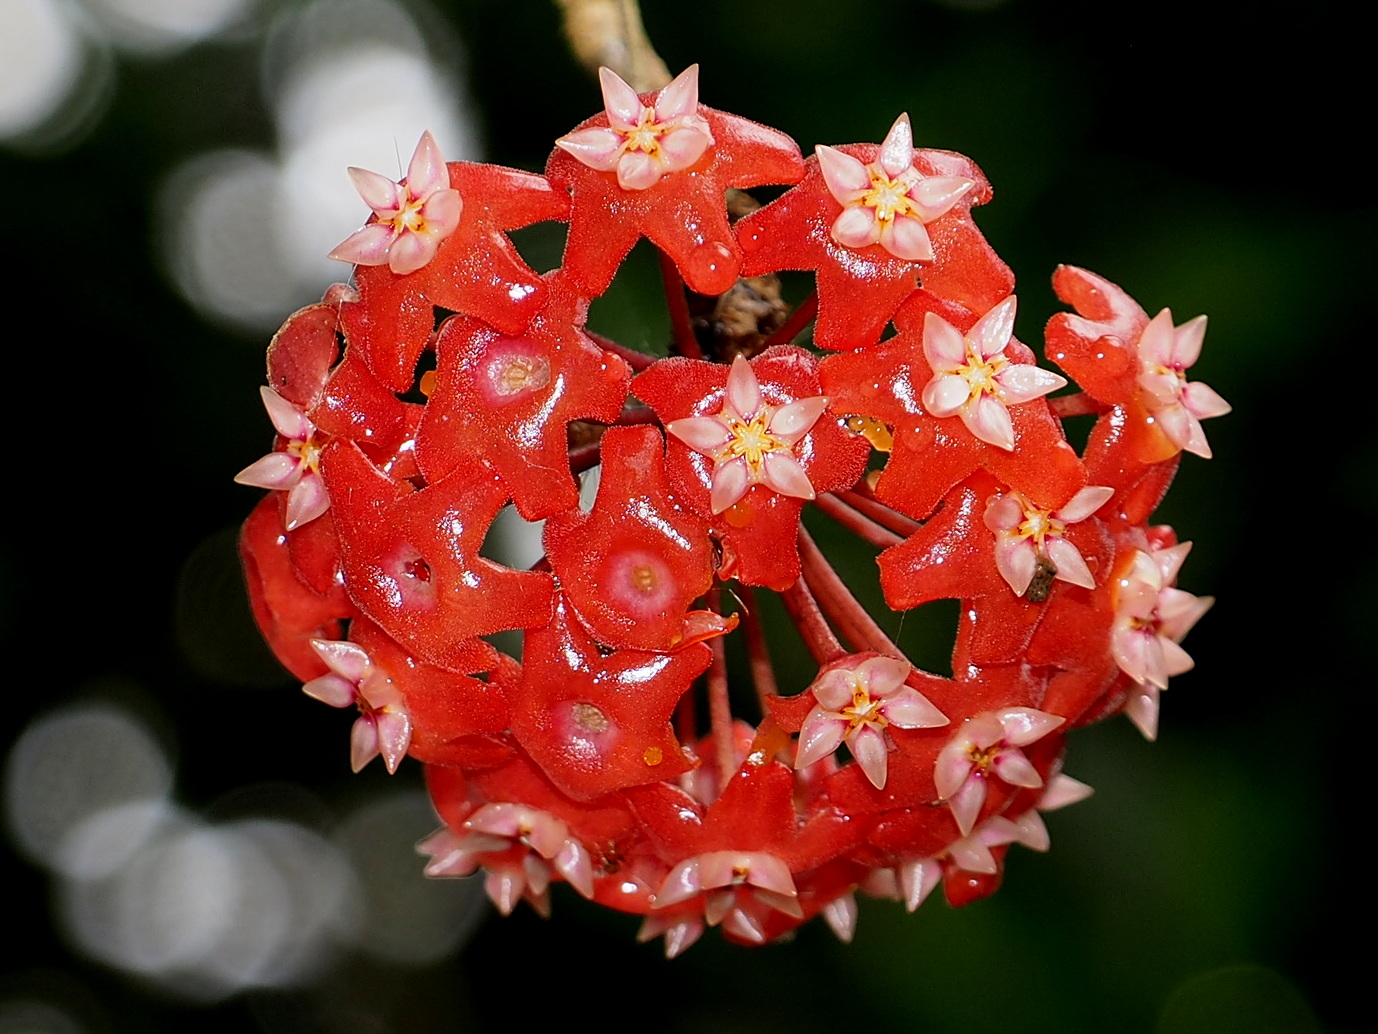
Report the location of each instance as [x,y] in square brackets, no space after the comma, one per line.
[452,381]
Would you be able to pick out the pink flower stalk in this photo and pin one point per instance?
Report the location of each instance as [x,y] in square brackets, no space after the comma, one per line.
[856,701]
[1151,618]
[643,143]
[1028,536]
[888,201]
[974,379]
[737,887]
[411,218]
[751,442]
[985,745]
[1165,354]
[384,725]
[294,469]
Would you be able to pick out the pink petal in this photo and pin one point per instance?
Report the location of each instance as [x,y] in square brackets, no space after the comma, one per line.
[620,101]
[363,743]
[441,213]
[989,420]
[1155,343]
[1128,648]
[426,173]
[741,924]
[410,252]
[574,864]
[820,735]
[1178,611]
[794,420]
[770,873]
[348,660]
[970,855]
[1084,504]
[1186,343]
[306,501]
[856,227]
[1023,382]
[917,880]
[834,689]
[906,238]
[1203,402]
[1168,562]
[289,420]
[505,888]
[1142,709]
[782,473]
[730,482]
[1025,725]
[681,97]
[598,148]
[1014,768]
[883,676]
[637,170]
[846,177]
[1017,561]
[897,150]
[366,247]
[869,748]
[1004,512]
[380,193]
[966,804]
[393,729]
[840,914]
[1071,568]
[331,689]
[992,332]
[1179,426]
[1155,663]
[277,470]
[953,767]
[1176,661]
[910,709]
[703,434]
[1031,831]
[943,344]
[945,394]
[683,146]
[1063,790]
[743,389]
[937,194]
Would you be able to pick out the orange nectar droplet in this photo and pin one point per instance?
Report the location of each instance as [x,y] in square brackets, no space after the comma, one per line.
[653,756]
[873,431]
[427,384]
[872,479]
[739,514]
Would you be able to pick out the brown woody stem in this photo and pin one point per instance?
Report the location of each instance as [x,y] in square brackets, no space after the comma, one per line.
[609,33]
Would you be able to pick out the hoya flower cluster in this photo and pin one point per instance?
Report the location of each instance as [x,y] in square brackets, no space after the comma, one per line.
[452,381]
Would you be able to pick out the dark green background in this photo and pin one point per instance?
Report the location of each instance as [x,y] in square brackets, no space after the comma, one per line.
[1202,155]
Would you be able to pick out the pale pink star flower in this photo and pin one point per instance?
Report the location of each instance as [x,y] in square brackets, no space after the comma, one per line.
[888,201]
[738,887]
[1178,407]
[643,143]
[523,849]
[751,442]
[293,469]
[1151,619]
[857,700]
[974,379]
[384,725]
[1028,537]
[413,216]
[987,745]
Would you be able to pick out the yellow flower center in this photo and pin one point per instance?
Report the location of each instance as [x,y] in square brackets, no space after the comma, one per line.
[980,373]
[646,136]
[1039,525]
[890,198]
[309,452]
[751,439]
[863,710]
[409,216]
